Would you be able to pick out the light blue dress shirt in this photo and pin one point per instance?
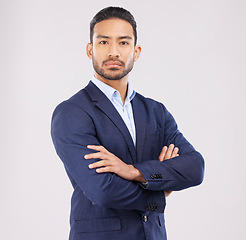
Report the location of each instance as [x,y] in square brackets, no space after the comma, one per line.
[125,110]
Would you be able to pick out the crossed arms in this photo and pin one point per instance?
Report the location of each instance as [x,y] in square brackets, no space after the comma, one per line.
[110,163]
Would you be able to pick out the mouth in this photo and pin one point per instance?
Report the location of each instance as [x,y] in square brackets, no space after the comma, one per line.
[113,64]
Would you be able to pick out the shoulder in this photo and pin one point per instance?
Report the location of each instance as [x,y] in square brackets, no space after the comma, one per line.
[73,111]
[150,103]
[77,102]
[73,104]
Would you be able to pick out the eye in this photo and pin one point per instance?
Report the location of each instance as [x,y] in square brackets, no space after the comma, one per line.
[124,43]
[103,42]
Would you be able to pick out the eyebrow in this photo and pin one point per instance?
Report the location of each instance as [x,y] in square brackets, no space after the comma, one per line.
[127,37]
[122,37]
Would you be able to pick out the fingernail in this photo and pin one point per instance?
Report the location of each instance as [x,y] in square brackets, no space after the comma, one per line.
[90,166]
[85,156]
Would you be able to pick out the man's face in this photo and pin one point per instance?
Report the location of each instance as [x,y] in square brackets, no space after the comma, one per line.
[113,52]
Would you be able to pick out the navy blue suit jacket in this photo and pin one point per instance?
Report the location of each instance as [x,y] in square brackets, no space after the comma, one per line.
[105,206]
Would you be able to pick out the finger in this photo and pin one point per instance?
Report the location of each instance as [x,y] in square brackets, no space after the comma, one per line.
[167,193]
[97,148]
[99,155]
[102,163]
[169,151]
[175,152]
[104,169]
[162,154]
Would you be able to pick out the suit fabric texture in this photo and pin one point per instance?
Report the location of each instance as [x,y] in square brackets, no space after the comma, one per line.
[105,206]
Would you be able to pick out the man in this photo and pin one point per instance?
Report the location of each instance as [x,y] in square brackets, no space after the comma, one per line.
[122,152]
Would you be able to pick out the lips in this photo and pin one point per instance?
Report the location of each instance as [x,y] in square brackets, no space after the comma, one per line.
[113,64]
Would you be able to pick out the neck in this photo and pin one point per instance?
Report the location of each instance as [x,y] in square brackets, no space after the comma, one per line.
[120,85]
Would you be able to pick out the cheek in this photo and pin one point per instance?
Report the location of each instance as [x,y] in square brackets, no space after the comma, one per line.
[97,59]
[98,53]
[130,59]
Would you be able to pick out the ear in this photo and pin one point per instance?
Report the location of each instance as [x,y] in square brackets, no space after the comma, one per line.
[89,50]
[137,52]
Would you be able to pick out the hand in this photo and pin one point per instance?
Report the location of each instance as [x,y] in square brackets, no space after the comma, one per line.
[110,163]
[167,153]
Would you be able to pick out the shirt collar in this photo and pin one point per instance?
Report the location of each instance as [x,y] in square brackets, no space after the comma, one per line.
[109,91]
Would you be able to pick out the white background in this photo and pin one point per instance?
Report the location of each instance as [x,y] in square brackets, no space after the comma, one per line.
[193,60]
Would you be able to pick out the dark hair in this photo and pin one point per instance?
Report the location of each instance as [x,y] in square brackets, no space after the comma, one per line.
[113,12]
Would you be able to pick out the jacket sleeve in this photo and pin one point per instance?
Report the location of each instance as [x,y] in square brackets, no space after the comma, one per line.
[72,130]
[178,173]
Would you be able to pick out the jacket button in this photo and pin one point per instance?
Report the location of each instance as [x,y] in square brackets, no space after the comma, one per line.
[145,218]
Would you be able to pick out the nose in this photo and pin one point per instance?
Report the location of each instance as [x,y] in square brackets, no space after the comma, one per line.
[113,51]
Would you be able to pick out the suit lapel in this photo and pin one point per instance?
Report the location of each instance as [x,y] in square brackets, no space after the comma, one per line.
[107,107]
[140,118]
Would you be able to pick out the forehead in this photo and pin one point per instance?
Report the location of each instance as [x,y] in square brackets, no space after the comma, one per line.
[113,28]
